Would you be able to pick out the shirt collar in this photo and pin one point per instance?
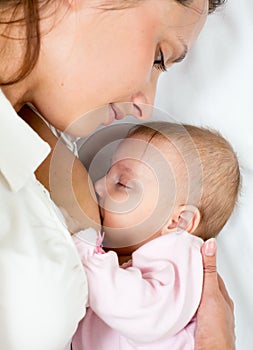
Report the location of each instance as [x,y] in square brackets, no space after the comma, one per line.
[21,148]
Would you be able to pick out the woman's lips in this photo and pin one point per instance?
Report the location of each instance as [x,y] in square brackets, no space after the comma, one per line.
[118,114]
[138,110]
[114,113]
[127,108]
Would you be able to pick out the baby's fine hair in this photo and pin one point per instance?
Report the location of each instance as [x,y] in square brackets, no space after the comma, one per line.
[220,180]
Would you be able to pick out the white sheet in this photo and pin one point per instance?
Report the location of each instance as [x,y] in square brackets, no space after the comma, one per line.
[214,87]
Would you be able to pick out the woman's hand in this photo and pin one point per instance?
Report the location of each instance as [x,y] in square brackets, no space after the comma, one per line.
[215,316]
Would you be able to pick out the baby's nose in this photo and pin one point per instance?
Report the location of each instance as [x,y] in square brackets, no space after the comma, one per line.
[99,187]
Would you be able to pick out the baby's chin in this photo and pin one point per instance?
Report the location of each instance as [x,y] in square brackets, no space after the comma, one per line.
[115,238]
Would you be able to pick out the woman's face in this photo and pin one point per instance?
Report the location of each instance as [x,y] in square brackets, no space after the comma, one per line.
[95,57]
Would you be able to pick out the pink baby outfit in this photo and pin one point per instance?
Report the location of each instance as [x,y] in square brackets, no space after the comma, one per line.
[149,305]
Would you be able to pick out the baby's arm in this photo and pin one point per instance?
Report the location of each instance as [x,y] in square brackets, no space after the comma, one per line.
[153,298]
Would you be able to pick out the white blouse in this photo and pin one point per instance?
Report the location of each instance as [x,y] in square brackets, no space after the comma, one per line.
[43,288]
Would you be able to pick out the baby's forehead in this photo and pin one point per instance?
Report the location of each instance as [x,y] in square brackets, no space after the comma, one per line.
[139,151]
[130,148]
[142,146]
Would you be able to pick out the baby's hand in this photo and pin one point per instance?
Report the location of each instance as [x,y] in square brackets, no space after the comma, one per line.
[88,242]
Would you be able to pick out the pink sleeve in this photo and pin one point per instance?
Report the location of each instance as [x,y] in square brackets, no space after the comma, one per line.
[155,297]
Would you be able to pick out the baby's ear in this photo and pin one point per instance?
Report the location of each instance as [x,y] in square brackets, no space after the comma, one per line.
[189,218]
[186,217]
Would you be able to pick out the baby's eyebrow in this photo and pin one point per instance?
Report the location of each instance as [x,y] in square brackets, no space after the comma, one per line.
[122,167]
[127,169]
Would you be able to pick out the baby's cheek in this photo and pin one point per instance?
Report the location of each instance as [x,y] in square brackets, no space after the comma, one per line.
[115,234]
[115,220]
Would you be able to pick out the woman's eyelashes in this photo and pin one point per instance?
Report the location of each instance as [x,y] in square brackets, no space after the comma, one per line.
[159,62]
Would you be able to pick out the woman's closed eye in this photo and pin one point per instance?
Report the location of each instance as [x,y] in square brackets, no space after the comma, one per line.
[159,61]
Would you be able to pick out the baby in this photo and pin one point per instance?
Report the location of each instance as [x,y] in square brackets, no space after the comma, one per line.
[169,187]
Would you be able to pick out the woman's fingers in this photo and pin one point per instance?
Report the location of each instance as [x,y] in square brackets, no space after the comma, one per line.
[209,264]
[215,317]
[225,294]
[212,278]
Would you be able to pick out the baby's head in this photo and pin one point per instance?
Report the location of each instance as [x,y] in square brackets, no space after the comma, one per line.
[166,176]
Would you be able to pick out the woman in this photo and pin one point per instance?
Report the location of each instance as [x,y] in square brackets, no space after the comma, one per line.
[68,57]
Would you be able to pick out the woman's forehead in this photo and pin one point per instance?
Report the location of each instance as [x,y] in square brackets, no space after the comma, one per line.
[185,21]
[186,17]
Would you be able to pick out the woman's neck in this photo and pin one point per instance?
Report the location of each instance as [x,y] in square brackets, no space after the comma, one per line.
[16,95]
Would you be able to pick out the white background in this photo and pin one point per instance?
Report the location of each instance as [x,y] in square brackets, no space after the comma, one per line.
[214,87]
